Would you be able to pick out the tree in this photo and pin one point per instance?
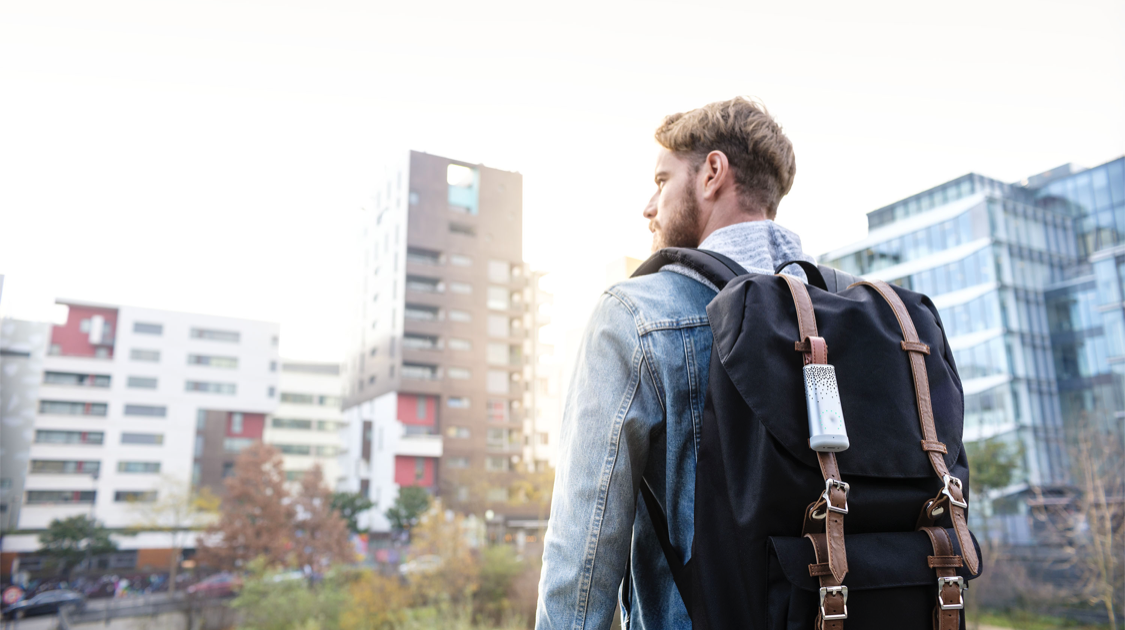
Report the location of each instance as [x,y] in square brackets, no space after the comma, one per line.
[178,510]
[321,536]
[443,534]
[271,601]
[350,505]
[1090,525]
[409,505]
[377,602]
[70,540]
[256,515]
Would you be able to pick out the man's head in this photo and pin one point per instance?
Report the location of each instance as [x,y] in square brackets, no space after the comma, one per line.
[721,164]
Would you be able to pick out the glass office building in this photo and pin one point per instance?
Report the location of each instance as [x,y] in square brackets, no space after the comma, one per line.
[1028,280]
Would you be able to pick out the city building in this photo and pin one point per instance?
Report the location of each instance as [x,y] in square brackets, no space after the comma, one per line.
[127,400]
[435,381]
[1027,278]
[308,423]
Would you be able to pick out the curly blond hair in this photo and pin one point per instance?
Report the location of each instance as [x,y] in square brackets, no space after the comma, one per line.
[759,153]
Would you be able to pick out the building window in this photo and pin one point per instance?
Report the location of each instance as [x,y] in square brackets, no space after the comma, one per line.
[141,382]
[497,495]
[236,423]
[134,496]
[43,436]
[459,433]
[462,229]
[229,336]
[152,411]
[137,354]
[64,467]
[138,468]
[463,190]
[199,443]
[228,469]
[68,408]
[236,445]
[496,464]
[149,439]
[464,288]
[422,284]
[419,371]
[220,362]
[421,313]
[200,419]
[77,380]
[499,271]
[196,473]
[499,326]
[419,468]
[498,411]
[459,373]
[460,260]
[271,392]
[210,388]
[412,198]
[60,496]
[460,344]
[294,449]
[310,399]
[457,462]
[457,402]
[543,438]
[499,299]
[273,366]
[456,315]
[498,354]
[498,382]
[287,423]
[419,256]
[148,329]
[419,342]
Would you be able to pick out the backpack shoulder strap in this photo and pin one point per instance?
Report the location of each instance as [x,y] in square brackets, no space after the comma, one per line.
[717,268]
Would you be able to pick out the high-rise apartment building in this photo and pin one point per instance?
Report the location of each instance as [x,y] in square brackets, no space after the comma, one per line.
[435,382]
[1028,280]
[308,423]
[127,400]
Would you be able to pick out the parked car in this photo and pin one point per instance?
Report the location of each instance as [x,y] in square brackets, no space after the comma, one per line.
[218,585]
[46,603]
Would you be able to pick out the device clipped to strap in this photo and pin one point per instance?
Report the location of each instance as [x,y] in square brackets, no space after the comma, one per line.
[827,433]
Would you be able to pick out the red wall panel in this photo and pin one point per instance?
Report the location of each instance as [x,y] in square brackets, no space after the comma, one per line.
[253,425]
[406,471]
[70,339]
[408,410]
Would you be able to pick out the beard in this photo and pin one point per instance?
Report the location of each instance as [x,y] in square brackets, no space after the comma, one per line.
[681,229]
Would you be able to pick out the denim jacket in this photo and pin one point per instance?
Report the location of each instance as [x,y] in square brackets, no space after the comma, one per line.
[634,407]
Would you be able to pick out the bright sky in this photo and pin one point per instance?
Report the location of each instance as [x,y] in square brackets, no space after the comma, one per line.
[210,155]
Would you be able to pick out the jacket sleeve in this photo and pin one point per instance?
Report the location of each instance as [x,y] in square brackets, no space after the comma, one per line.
[611,410]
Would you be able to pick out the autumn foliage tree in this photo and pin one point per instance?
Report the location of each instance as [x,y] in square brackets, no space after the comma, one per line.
[321,535]
[256,515]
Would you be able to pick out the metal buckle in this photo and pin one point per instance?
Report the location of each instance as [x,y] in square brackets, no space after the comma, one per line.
[835,590]
[828,484]
[941,583]
[947,479]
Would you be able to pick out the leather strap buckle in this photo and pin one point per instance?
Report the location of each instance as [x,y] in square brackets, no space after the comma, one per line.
[842,485]
[950,479]
[842,591]
[942,582]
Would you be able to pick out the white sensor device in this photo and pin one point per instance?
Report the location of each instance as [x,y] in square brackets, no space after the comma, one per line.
[827,432]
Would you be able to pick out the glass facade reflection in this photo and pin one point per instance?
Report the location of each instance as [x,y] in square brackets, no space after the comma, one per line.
[1028,279]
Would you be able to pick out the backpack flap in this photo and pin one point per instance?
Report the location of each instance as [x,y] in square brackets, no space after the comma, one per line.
[888,579]
[754,324]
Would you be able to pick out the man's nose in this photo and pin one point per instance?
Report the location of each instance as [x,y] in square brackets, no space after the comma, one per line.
[650,209]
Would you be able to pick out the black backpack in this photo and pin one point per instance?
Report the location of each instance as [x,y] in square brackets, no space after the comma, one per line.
[874,536]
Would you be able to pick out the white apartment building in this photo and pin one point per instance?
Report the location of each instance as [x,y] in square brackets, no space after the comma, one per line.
[308,423]
[128,399]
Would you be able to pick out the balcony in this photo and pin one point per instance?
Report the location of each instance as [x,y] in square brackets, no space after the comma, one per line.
[420,445]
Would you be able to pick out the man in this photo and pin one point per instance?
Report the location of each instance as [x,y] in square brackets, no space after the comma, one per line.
[636,399]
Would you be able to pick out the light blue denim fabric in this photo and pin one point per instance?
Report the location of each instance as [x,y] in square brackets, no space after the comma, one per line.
[634,407]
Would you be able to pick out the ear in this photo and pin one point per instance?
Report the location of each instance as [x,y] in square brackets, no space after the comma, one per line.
[715,174]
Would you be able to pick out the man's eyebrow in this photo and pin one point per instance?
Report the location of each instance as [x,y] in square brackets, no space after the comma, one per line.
[660,174]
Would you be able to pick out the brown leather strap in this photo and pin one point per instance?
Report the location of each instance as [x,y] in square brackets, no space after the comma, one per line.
[947,611]
[938,447]
[914,346]
[822,515]
[832,600]
[819,569]
[911,344]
